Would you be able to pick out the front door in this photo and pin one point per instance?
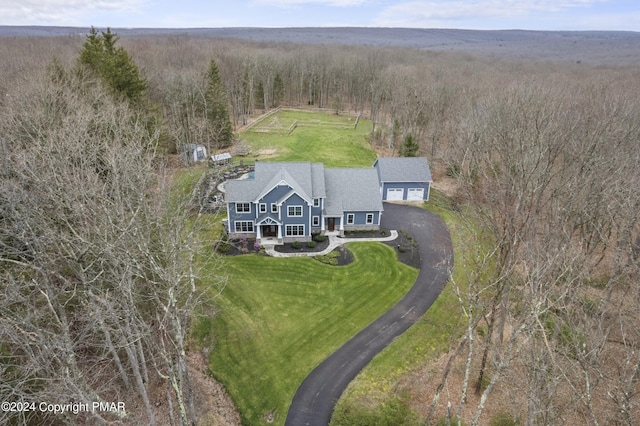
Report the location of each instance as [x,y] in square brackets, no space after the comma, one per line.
[331,223]
[269,230]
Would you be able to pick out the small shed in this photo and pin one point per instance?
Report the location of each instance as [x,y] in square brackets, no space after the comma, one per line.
[220,159]
[192,153]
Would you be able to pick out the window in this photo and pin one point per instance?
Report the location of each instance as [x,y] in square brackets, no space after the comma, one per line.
[274,208]
[369,218]
[351,218]
[294,211]
[243,208]
[316,221]
[316,202]
[244,226]
[263,208]
[294,230]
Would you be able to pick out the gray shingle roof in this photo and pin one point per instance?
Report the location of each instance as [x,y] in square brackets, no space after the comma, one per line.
[305,178]
[403,169]
[343,189]
[352,190]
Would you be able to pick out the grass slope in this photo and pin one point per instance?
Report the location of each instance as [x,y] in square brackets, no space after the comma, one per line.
[321,137]
[280,317]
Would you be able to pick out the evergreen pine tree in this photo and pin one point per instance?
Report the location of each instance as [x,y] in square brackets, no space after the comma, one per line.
[113,65]
[217,110]
[259,102]
[409,147]
[278,90]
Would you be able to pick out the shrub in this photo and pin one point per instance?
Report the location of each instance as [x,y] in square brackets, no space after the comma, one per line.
[329,258]
[311,244]
[453,420]
[453,170]
[504,419]
[296,245]
[223,246]
[392,412]
[319,238]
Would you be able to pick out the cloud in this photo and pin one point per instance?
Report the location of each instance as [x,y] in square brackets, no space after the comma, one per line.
[426,13]
[59,12]
[332,3]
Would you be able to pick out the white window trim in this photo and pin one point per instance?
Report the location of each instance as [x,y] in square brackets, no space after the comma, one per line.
[240,222]
[294,215]
[274,208]
[287,230]
[370,217]
[243,204]
[263,207]
[316,202]
[315,220]
[351,218]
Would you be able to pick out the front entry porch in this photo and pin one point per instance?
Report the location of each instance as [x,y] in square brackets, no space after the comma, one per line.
[269,231]
[333,226]
[269,235]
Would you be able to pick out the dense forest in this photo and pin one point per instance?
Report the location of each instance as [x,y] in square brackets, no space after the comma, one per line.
[96,256]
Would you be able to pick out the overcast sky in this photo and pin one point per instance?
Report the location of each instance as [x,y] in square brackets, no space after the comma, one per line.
[463,14]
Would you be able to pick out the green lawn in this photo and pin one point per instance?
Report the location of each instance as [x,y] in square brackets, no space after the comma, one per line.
[280,317]
[321,137]
[277,318]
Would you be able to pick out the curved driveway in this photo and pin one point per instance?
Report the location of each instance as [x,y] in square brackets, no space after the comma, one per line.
[316,397]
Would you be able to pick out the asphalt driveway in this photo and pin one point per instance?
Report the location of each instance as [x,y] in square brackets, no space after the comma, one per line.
[316,397]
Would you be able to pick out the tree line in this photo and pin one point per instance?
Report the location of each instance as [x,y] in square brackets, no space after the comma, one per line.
[97,270]
[544,158]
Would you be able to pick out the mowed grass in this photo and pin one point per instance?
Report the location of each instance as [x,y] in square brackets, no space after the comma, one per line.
[278,318]
[320,137]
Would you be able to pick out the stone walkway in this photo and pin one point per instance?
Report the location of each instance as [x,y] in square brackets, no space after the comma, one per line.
[334,241]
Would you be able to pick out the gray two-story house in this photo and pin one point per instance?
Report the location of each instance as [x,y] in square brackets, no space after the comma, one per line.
[288,202]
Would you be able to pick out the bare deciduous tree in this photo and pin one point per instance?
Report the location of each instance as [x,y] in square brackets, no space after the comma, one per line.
[97,264]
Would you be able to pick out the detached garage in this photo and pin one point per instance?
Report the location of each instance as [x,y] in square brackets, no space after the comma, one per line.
[394,194]
[404,178]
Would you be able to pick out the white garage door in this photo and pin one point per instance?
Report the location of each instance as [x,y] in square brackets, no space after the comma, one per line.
[395,194]
[415,194]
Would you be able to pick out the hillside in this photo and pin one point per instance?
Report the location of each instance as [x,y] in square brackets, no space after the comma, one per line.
[596,47]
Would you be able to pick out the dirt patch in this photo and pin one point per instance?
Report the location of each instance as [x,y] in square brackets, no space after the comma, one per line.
[446,185]
[422,384]
[267,151]
[213,404]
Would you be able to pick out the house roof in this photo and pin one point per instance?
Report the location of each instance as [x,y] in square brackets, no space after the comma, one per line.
[221,157]
[403,169]
[352,190]
[306,179]
[190,147]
